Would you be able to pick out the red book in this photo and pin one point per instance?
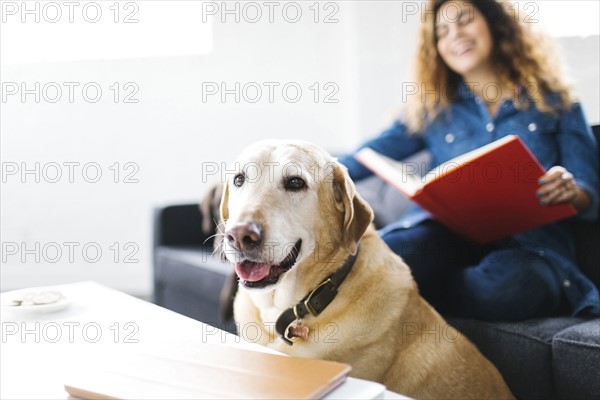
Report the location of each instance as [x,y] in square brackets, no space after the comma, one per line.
[485,195]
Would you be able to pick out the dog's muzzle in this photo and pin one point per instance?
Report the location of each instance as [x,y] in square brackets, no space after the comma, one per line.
[257,274]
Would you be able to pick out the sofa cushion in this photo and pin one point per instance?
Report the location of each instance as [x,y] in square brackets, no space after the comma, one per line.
[189,281]
[576,361]
[522,351]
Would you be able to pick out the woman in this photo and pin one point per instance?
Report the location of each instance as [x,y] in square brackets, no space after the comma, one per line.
[491,77]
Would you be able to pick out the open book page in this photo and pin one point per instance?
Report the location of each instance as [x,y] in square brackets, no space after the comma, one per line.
[403,176]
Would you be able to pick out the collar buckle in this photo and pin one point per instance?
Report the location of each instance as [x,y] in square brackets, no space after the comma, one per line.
[320,297]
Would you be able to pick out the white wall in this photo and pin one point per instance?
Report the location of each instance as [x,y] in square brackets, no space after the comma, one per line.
[168,135]
[582,56]
[171,132]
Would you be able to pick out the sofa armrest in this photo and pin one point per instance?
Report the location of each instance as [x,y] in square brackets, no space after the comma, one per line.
[180,225]
[176,226]
[588,237]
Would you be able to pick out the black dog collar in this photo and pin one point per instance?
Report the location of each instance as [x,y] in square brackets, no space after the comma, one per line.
[316,301]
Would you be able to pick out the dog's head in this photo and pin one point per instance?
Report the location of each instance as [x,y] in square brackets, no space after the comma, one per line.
[289,203]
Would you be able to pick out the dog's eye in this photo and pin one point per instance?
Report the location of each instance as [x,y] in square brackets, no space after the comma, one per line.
[294,183]
[239,180]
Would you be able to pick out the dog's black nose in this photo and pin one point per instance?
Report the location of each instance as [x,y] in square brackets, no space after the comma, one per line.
[244,237]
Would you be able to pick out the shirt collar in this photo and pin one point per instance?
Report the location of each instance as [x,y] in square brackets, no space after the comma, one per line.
[463,92]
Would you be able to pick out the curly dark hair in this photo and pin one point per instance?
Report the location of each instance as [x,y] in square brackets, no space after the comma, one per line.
[523,58]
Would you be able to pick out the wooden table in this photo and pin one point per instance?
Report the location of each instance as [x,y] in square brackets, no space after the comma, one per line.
[38,348]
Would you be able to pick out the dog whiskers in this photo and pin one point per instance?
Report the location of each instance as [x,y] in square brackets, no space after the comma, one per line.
[218,234]
[219,249]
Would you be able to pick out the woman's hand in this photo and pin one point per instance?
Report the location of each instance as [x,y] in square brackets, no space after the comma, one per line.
[557,185]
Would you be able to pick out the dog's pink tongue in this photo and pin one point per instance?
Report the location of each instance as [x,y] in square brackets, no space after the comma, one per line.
[252,272]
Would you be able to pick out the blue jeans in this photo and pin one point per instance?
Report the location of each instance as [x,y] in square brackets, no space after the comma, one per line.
[497,282]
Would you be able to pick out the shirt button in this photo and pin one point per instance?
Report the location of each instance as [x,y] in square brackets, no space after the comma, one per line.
[532,127]
[406,224]
[567,283]
[489,127]
[541,253]
[449,138]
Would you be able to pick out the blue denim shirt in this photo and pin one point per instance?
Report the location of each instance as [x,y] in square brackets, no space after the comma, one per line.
[563,139]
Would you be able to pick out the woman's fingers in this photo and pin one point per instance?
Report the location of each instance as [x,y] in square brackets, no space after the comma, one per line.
[557,186]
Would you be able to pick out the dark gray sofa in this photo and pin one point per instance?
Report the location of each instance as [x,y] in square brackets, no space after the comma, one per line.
[550,358]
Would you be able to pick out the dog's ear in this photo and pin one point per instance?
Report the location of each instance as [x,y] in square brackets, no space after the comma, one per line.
[358,215]
[224,203]
[210,209]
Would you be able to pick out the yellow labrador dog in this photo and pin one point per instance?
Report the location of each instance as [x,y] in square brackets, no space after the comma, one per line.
[319,282]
